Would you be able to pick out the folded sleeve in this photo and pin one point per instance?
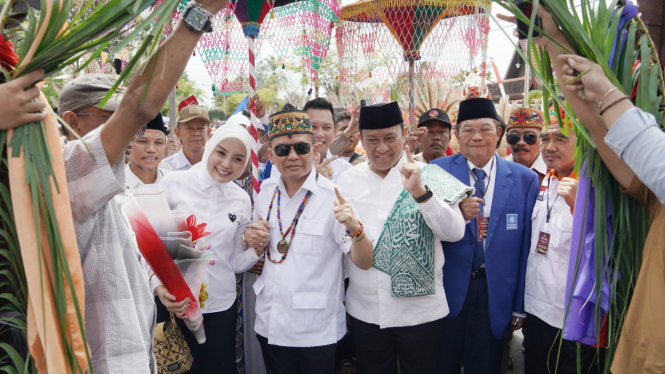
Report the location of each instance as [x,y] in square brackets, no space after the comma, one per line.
[446,221]
[636,138]
[339,144]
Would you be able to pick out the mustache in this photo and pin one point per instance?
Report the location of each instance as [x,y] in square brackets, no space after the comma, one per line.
[521,149]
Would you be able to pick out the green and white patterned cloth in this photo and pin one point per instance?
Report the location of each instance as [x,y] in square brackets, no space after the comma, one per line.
[405,249]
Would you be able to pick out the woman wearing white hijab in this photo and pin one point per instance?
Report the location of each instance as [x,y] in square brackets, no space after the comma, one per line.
[207,191]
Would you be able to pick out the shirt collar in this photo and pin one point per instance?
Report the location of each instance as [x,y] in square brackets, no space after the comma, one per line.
[553,173]
[181,160]
[487,168]
[132,180]
[539,165]
[310,183]
[328,154]
[205,182]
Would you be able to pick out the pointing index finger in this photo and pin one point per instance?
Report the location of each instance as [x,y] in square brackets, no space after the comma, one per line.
[409,158]
[340,198]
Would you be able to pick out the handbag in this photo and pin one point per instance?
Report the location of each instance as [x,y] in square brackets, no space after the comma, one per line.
[171,350]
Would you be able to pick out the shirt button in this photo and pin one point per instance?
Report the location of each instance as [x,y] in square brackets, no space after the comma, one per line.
[468,265]
[274,306]
[276,283]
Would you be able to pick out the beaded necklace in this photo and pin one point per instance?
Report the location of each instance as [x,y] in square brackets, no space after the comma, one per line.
[283,246]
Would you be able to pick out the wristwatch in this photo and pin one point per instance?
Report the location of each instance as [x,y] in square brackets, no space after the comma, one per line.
[424,197]
[197,19]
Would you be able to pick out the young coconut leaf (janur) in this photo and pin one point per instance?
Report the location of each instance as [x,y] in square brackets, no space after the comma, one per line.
[592,35]
[53,39]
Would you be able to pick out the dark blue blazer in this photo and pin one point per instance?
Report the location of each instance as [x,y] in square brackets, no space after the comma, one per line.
[506,247]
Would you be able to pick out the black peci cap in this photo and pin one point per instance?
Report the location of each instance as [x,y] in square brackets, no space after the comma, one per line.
[380,116]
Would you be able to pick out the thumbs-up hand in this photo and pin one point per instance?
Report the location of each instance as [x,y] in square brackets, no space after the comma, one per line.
[257,234]
[344,213]
[323,167]
[411,176]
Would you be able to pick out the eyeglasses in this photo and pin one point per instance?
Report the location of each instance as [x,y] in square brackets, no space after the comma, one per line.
[469,131]
[283,150]
[529,139]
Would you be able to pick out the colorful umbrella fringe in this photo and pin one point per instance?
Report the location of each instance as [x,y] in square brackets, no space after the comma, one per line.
[380,41]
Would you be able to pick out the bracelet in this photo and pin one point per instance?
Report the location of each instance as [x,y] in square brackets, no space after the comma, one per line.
[259,252]
[600,104]
[360,238]
[243,239]
[613,103]
[357,234]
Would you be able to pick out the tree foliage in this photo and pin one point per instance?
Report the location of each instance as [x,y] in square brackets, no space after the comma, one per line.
[184,89]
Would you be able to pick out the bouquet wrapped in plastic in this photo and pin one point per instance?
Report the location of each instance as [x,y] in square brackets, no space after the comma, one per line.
[169,242]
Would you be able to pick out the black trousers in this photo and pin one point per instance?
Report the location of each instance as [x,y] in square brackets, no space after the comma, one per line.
[467,338]
[378,349]
[218,353]
[543,345]
[297,360]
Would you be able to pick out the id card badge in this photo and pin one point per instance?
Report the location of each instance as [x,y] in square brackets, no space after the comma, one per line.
[543,243]
[482,225]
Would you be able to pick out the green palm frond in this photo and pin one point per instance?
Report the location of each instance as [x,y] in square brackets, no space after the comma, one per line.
[591,29]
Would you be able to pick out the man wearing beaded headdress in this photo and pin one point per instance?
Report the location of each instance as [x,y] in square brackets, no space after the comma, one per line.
[408,207]
[523,138]
[300,315]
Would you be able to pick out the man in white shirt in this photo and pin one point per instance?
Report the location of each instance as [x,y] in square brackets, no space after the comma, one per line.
[119,308]
[322,116]
[310,229]
[398,305]
[547,267]
[523,138]
[193,130]
[148,148]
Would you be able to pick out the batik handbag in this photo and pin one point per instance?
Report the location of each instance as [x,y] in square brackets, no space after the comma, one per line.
[171,350]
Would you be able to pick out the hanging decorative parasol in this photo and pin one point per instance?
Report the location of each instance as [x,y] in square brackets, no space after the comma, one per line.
[377,38]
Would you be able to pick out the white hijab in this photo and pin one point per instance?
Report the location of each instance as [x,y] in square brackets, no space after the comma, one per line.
[226,131]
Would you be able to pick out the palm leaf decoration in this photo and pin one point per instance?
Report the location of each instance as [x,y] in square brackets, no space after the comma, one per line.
[56,37]
[592,28]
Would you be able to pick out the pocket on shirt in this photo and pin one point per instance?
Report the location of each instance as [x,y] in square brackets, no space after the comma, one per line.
[310,312]
[309,238]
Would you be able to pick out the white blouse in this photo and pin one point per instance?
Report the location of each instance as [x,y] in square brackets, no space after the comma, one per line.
[226,209]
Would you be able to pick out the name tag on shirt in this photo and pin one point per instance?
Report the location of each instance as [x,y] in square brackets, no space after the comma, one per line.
[511,221]
[483,224]
[541,194]
[543,243]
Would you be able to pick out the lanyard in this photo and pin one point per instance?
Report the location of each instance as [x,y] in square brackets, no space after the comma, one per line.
[549,209]
[477,182]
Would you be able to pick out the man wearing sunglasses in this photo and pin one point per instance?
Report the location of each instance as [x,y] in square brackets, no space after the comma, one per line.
[305,227]
[523,137]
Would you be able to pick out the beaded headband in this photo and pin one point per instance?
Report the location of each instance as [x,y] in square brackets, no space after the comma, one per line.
[288,123]
[526,117]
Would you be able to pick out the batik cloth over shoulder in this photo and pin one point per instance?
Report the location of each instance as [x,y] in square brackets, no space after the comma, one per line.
[405,249]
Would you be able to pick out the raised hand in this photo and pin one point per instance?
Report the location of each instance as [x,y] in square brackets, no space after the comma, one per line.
[567,188]
[411,175]
[257,234]
[344,213]
[470,207]
[18,107]
[415,139]
[259,106]
[323,167]
[178,308]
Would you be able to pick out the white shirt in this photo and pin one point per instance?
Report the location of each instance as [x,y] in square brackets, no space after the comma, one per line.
[226,209]
[133,181]
[178,161]
[299,302]
[538,165]
[338,166]
[545,285]
[369,297]
[490,179]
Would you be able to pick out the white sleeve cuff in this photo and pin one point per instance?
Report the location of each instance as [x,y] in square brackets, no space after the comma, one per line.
[520,315]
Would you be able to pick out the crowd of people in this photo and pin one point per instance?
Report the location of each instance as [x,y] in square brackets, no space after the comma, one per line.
[399,258]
